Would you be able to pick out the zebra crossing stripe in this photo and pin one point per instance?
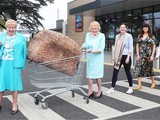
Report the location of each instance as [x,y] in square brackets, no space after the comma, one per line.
[142,103]
[137,101]
[148,80]
[157,76]
[32,111]
[143,89]
[127,97]
[93,107]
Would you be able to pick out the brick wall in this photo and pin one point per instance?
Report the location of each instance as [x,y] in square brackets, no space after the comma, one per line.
[88,17]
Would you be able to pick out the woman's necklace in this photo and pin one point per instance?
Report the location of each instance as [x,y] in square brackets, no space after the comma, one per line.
[9,41]
[11,36]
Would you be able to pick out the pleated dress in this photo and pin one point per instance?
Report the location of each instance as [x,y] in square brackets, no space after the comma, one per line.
[10,77]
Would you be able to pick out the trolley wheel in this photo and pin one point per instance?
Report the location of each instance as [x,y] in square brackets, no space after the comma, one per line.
[73,93]
[84,97]
[44,105]
[36,100]
[87,100]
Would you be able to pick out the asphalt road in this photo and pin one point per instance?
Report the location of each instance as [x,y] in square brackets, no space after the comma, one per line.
[143,104]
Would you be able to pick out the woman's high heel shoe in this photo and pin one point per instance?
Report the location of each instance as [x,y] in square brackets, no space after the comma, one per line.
[91,95]
[13,112]
[139,87]
[96,97]
[153,86]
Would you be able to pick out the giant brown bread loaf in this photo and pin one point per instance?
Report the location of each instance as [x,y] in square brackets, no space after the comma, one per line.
[49,46]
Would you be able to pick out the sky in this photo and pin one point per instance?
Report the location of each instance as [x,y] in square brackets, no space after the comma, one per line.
[50,13]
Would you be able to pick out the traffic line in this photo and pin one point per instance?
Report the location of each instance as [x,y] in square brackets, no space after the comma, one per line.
[34,112]
[148,80]
[143,89]
[127,98]
[93,107]
[157,76]
[142,103]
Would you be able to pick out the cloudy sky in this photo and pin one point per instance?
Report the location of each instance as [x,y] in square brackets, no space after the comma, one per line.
[50,13]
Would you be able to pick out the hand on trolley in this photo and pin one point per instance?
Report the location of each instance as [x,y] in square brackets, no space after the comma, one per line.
[86,50]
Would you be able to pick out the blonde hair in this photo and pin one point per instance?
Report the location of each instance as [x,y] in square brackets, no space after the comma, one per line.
[11,22]
[94,24]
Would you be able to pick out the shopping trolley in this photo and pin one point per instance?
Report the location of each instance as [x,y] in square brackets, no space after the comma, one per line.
[42,76]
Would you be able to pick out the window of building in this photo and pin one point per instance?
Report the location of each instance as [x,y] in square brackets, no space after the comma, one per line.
[148,13]
[111,27]
[157,15]
[134,19]
[129,20]
[119,19]
[137,23]
[157,23]
[157,30]
[157,12]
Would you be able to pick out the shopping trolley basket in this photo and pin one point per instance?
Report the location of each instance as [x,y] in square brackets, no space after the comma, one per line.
[42,76]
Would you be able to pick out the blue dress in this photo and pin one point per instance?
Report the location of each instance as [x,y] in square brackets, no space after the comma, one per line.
[10,77]
[95,62]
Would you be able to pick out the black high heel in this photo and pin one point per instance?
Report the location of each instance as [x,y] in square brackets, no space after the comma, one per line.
[96,97]
[91,95]
[13,112]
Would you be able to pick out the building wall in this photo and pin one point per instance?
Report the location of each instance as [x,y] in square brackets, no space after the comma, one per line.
[88,17]
[77,3]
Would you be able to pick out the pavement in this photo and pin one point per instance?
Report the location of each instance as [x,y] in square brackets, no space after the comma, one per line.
[143,104]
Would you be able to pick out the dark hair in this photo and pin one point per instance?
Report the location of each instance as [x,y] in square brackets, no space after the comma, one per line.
[123,24]
[149,30]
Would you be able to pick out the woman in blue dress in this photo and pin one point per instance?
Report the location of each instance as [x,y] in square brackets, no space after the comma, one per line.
[94,45]
[12,61]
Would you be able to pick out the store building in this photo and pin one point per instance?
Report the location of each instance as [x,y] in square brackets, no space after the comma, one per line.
[110,14]
[60,26]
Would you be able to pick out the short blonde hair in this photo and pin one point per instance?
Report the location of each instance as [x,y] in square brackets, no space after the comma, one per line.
[11,22]
[94,24]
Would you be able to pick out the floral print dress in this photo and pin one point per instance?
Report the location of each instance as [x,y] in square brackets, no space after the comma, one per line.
[145,66]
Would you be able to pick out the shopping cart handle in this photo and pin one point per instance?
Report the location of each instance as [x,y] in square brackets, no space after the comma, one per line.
[30,61]
[83,50]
